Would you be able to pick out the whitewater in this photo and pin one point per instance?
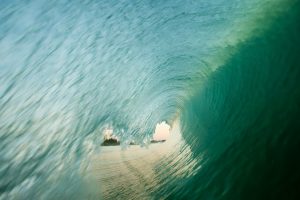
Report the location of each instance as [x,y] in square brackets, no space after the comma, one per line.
[225,76]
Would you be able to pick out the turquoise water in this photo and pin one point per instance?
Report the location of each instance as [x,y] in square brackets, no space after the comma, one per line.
[224,74]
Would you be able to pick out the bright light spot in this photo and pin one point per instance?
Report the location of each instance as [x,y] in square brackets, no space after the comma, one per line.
[162,131]
[108,133]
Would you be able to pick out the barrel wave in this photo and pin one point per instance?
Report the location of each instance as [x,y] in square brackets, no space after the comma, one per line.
[224,74]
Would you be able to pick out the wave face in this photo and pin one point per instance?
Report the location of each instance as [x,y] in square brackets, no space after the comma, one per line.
[224,74]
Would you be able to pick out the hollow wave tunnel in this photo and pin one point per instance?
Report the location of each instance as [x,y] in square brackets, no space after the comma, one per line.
[224,75]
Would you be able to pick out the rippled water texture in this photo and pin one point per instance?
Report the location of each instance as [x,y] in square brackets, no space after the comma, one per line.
[224,74]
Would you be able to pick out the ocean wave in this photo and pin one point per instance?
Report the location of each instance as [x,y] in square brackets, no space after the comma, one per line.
[225,74]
